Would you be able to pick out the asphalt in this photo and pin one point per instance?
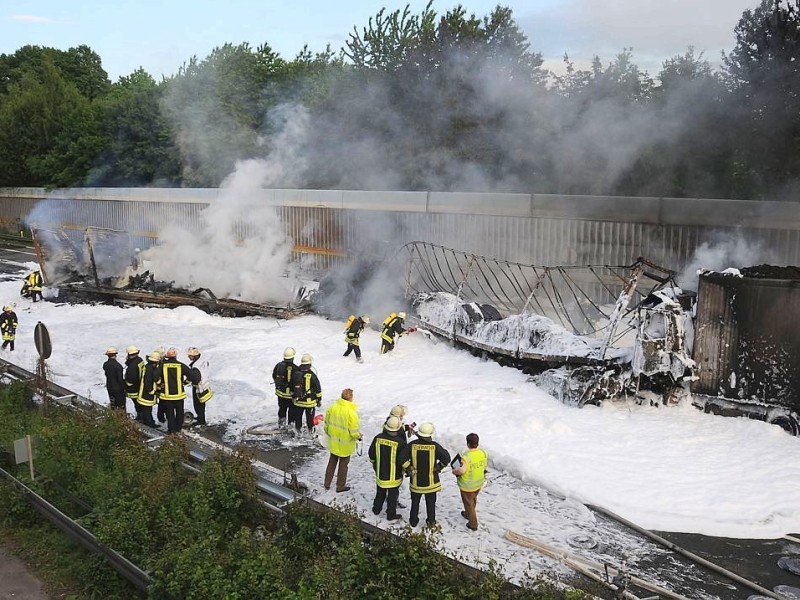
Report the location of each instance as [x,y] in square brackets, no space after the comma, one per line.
[17,581]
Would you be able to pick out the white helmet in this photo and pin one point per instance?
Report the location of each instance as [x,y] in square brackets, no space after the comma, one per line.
[193,352]
[111,351]
[155,356]
[365,319]
[426,430]
[306,360]
[392,424]
[399,411]
[132,350]
[401,314]
[288,354]
[8,307]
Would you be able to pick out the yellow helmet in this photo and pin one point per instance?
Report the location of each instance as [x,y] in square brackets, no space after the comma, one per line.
[8,308]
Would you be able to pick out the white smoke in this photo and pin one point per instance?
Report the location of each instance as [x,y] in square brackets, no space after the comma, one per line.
[240,250]
[722,252]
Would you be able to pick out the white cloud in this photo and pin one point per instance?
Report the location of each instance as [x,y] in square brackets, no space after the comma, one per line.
[31,19]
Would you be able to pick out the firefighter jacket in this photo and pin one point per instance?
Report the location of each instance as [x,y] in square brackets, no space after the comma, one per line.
[425,458]
[384,453]
[151,384]
[201,390]
[307,390]
[392,330]
[8,325]
[341,427]
[473,470]
[115,381]
[134,369]
[34,281]
[282,375]
[174,375]
[354,331]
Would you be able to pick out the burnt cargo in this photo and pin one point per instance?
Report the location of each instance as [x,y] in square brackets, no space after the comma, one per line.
[747,340]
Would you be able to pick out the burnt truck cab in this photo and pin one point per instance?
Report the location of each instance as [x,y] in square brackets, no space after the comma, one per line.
[747,344]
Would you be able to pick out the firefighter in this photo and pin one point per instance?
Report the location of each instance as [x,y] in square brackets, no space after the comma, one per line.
[471,474]
[32,286]
[400,411]
[342,428]
[352,334]
[8,327]
[201,390]
[384,453]
[115,379]
[307,394]
[149,388]
[134,368]
[282,376]
[393,329]
[174,375]
[423,459]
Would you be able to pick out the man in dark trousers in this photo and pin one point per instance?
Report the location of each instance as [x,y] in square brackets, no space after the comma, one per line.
[352,334]
[423,459]
[201,390]
[115,379]
[32,287]
[307,396]
[8,327]
[384,453]
[134,368]
[283,376]
[150,388]
[174,375]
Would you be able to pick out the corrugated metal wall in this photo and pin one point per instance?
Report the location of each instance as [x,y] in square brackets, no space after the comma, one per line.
[535,229]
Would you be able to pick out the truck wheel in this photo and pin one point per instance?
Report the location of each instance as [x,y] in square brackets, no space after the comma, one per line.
[786,422]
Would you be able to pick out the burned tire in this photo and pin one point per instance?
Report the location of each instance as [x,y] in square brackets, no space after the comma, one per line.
[786,422]
[474,313]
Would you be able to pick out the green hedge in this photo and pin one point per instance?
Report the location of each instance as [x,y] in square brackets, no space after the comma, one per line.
[207,536]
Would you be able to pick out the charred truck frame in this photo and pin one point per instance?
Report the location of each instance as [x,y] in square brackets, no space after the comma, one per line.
[592,333]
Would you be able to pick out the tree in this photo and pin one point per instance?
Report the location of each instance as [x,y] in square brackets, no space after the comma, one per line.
[764,73]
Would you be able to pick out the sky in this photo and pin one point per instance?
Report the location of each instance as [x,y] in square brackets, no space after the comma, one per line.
[161,36]
[669,469]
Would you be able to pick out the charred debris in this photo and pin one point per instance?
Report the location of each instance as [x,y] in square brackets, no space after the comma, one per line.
[104,267]
[588,334]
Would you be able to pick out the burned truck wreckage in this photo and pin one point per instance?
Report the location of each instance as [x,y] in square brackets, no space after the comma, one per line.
[588,334]
[105,267]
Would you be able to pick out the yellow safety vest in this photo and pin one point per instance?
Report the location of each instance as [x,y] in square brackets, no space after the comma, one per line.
[341,427]
[473,478]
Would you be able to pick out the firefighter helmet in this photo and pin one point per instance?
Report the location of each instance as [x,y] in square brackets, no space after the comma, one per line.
[171,353]
[426,430]
[306,360]
[392,424]
[132,350]
[194,352]
[288,354]
[111,351]
[8,308]
[365,318]
[401,314]
[155,356]
[399,411]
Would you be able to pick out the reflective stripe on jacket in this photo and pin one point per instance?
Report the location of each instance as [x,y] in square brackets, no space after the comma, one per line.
[133,376]
[308,390]
[174,376]
[282,376]
[426,458]
[151,380]
[475,461]
[341,427]
[384,452]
